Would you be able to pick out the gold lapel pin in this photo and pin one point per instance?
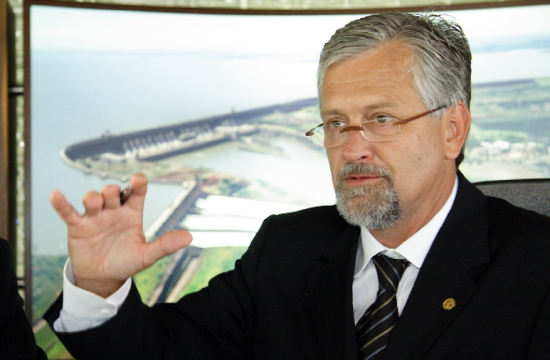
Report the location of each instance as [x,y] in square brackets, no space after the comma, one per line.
[449,304]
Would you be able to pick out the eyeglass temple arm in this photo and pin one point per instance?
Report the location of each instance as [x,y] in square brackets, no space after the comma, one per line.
[419,116]
[310,132]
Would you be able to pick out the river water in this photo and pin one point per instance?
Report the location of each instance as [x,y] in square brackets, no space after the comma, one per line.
[303,171]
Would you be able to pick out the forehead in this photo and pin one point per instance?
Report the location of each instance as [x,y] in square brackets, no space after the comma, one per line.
[383,74]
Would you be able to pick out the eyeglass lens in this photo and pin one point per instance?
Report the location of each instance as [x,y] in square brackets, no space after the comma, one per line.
[328,136]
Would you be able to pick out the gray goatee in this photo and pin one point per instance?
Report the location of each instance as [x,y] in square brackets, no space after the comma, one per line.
[373,206]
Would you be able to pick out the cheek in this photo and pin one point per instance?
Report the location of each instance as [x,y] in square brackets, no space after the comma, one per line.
[407,161]
[335,163]
[425,148]
[420,161]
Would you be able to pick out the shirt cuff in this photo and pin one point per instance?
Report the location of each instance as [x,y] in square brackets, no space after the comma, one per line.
[83,310]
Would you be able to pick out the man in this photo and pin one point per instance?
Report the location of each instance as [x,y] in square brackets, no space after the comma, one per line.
[16,337]
[413,263]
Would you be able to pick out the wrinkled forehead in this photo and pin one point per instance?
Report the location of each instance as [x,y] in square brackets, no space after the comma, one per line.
[391,64]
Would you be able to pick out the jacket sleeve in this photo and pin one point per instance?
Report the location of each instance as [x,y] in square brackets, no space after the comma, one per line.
[16,336]
[214,323]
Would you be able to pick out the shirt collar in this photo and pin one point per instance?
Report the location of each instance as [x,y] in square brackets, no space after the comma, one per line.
[414,249]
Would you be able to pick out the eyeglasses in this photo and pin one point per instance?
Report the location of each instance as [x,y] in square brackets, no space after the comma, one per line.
[382,128]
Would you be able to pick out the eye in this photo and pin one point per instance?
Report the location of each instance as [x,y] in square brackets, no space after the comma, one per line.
[382,119]
[335,124]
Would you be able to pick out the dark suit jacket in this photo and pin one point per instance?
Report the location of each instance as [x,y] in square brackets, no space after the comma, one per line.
[16,336]
[290,296]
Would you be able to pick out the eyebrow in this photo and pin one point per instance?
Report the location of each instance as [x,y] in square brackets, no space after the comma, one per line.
[330,112]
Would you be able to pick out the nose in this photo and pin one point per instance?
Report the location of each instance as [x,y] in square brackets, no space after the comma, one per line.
[356,148]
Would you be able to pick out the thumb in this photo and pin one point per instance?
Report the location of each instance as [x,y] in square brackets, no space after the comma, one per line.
[166,244]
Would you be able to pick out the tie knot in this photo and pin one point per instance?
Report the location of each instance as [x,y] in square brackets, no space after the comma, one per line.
[389,271]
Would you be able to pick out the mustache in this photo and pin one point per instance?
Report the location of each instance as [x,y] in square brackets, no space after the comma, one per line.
[363,169]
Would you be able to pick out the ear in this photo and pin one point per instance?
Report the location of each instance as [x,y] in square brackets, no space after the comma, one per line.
[456,128]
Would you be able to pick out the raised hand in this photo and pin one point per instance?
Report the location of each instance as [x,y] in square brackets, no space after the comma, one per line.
[107,244]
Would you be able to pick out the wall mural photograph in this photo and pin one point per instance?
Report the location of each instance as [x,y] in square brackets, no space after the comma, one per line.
[213,109]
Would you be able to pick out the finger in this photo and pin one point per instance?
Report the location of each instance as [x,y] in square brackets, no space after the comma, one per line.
[166,244]
[93,203]
[65,210]
[111,196]
[139,184]
[139,189]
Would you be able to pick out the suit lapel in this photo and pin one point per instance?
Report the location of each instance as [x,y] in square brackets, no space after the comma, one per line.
[460,246]
[330,296]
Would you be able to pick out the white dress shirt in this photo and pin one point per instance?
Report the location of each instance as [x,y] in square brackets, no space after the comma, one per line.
[84,310]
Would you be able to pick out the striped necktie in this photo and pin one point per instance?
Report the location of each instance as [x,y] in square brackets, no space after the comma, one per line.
[374,327]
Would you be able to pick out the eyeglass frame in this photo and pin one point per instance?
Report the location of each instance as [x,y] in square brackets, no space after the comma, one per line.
[360,128]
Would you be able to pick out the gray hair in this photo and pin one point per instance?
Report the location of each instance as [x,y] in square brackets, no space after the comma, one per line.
[442,57]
